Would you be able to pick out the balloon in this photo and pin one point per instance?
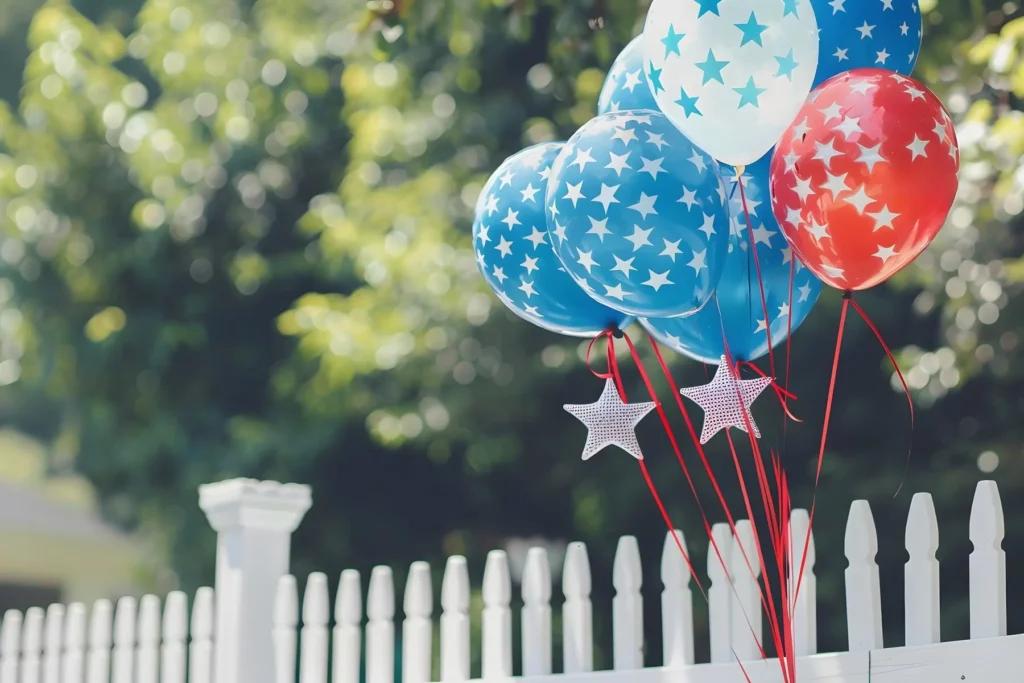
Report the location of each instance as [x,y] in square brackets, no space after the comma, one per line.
[638,215]
[731,74]
[739,313]
[857,34]
[515,257]
[863,182]
[626,86]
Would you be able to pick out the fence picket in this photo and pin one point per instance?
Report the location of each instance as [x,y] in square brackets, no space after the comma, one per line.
[720,595]
[496,643]
[286,619]
[97,664]
[745,569]
[175,633]
[348,618]
[147,658]
[10,646]
[627,607]
[53,643]
[805,613]
[72,666]
[921,573]
[380,627]
[315,617]
[536,613]
[455,656]
[125,618]
[676,602]
[32,645]
[863,592]
[987,563]
[417,628]
[200,650]
[577,611]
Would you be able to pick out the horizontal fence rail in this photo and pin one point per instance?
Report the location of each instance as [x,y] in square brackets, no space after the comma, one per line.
[366,651]
[138,641]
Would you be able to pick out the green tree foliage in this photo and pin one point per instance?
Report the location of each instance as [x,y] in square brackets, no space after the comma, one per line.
[235,242]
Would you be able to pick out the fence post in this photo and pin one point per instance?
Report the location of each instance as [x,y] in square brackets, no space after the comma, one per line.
[254,522]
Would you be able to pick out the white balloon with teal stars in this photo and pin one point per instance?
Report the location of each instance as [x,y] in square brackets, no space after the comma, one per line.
[731,74]
[626,87]
[638,215]
[514,253]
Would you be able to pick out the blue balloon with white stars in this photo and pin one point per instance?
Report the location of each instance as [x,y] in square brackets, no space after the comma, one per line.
[881,34]
[739,311]
[638,215]
[513,250]
[626,86]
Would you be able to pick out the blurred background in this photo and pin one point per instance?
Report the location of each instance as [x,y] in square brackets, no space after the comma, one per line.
[234,241]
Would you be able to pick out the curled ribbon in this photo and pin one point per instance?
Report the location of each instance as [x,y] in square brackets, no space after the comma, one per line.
[781,393]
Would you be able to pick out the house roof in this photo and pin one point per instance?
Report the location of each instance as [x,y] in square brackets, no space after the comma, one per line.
[25,510]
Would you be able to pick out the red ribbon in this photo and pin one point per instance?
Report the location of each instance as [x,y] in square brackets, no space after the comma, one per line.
[789,334]
[847,299]
[906,389]
[781,393]
[615,375]
[757,268]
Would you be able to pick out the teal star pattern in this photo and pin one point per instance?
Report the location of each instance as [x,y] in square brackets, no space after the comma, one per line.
[708,6]
[734,91]
[749,93]
[689,104]
[787,65]
[671,41]
[752,31]
[654,76]
[712,69]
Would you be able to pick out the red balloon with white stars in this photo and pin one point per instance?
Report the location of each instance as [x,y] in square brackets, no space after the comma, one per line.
[863,180]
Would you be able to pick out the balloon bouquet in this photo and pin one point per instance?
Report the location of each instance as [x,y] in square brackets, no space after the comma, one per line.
[745,152]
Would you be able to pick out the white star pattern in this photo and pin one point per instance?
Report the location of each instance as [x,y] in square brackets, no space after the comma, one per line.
[653,222]
[513,250]
[869,33]
[739,310]
[876,172]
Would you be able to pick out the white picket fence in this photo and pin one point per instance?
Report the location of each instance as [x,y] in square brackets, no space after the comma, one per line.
[134,643]
[147,642]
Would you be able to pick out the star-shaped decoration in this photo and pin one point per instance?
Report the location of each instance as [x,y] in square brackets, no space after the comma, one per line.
[749,93]
[787,65]
[752,31]
[725,401]
[712,68]
[611,422]
[671,41]
[689,104]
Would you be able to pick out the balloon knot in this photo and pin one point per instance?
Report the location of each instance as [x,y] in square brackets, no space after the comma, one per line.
[848,294]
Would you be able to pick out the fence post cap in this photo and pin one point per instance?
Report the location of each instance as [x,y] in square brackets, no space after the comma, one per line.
[255,504]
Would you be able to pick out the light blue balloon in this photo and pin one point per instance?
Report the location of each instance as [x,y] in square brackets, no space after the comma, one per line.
[513,250]
[738,316]
[626,86]
[881,34]
[638,215]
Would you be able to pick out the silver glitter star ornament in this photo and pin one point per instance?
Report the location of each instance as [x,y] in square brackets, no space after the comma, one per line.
[721,401]
[611,422]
